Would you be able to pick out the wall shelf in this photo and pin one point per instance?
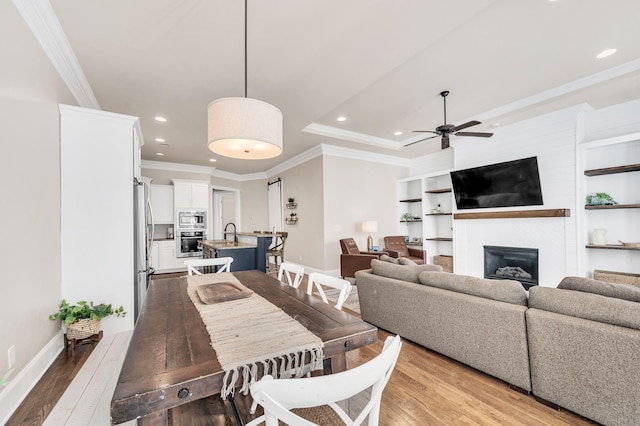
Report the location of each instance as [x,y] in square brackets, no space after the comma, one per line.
[411,221]
[516,214]
[438,191]
[439,239]
[411,200]
[438,214]
[613,170]
[612,206]
[611,247]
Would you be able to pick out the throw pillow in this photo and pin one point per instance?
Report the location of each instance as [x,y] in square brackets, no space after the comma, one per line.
[615,290]
[387,258]
[508,291]
[408,273]
[406,261]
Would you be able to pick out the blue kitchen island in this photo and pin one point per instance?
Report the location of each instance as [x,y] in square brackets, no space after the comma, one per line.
[250,252]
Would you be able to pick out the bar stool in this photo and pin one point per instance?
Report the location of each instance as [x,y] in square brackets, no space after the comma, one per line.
[277,249]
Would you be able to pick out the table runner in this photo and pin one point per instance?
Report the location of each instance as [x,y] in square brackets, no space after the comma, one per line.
[252,331]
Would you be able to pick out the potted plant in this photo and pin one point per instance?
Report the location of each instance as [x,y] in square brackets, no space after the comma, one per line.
[291,204]
[83,319]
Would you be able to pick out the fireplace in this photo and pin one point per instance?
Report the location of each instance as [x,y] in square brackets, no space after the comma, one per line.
[512,263]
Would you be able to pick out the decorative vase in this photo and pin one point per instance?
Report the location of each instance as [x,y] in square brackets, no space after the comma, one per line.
[599,237]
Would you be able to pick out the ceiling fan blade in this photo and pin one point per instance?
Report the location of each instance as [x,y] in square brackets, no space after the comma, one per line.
[425,131]
[445,141]
[477,134]
[465,125]
[430,137]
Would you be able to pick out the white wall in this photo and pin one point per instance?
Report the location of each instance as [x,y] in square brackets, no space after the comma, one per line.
[30,186]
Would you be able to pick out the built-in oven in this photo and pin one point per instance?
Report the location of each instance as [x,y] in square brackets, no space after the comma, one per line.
[189,244]
[191,219]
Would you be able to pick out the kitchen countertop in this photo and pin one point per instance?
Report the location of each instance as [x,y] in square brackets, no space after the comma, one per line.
[226,244]
[255,234]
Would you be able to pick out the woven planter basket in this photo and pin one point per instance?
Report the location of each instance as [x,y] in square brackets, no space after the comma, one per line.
[83,328]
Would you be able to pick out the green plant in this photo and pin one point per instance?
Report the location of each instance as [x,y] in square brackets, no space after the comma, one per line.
[291,200]
[83,310]
[599,198]
[407,217]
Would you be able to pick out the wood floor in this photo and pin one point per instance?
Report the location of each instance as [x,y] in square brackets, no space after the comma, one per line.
[425,389]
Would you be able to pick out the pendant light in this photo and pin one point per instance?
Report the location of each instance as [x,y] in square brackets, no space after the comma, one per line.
[244,128]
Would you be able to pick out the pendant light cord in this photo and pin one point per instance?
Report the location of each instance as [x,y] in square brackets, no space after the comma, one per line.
[245,48]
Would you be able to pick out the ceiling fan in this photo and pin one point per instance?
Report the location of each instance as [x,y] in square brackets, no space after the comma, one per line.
[447,129]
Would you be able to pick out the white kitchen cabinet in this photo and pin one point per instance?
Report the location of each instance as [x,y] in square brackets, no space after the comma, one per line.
[155,255]
[97,151]
[190,194]
[162,203]
[164,257]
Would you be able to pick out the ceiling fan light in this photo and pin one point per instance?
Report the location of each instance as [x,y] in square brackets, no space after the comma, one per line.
[244,128]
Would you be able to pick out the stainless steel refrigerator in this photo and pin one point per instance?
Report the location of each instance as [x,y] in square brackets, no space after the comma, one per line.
[143,241]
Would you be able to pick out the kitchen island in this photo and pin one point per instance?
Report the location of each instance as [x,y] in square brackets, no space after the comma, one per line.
[243,254]
[262,241]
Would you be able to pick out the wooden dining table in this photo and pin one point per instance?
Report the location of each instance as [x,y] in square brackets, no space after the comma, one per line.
[170,361]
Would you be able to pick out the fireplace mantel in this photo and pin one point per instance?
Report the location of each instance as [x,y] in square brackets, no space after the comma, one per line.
[516,214]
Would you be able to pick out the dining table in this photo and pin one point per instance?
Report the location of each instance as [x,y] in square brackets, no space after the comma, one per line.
[170,360]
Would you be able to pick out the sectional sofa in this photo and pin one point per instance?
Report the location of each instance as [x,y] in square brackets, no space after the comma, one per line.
[576,346]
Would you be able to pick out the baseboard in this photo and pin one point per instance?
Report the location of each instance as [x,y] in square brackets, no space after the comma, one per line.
[19,386]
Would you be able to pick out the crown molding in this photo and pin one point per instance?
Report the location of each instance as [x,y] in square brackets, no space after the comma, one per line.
[354,154]
[348,135]
[44,24]
[176,167]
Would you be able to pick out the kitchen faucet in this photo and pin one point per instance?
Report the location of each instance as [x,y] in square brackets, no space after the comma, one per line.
[235,234]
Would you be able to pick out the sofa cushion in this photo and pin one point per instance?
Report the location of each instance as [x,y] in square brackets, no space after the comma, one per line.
[400,272]
[617,291]
[588,306]
[508,291]
[406,261]
[389,259]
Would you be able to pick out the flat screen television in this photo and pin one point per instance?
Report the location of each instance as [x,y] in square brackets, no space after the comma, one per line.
[508,184]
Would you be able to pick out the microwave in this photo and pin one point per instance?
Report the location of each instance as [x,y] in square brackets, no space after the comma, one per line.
[191,219]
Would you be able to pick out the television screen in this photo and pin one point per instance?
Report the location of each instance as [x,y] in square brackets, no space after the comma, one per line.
[508,184]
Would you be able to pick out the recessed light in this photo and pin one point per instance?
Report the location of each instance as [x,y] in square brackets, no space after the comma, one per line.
[213,160]
[398,133]
[341,118]
[160,154]
[160,119]
[159,140]
[606,53]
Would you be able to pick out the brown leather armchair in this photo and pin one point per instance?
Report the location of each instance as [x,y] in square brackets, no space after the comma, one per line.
[352,259]
[397,247]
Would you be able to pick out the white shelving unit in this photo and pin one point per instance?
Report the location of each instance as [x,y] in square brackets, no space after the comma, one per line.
[429,198]
[612,166]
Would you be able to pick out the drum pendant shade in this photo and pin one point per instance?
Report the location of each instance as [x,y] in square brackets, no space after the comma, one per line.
[244,128]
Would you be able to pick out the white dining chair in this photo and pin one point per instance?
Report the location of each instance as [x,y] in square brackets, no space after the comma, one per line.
[287,270]
[318,280]
[223,262]
[317,397]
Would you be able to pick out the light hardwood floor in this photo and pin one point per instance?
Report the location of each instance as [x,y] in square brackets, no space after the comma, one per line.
[426,388]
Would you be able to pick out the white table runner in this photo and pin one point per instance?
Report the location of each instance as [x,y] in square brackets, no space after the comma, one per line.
[252,331]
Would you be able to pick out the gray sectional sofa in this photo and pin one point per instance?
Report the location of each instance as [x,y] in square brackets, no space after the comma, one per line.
[577,345]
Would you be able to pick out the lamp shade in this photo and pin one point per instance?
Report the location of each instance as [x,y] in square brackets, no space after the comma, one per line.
[370,226]
[244,128]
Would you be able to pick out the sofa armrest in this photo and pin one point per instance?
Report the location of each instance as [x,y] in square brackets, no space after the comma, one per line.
[422,254]
[392,253]
[351,263]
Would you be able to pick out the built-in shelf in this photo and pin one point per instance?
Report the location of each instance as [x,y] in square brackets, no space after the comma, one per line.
[612,206]
[439,239]
[613,170]
[611,247]
[516,214]
[438,214]
[411,221]
[438,191]
[411,200]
